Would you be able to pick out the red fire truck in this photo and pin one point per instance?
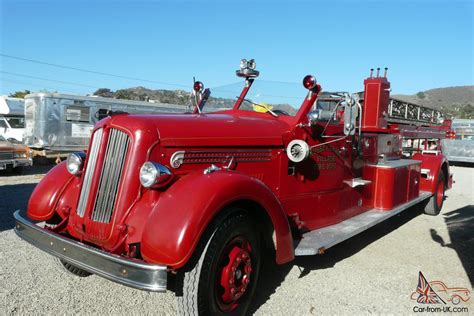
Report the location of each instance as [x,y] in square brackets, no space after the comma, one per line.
[202,197]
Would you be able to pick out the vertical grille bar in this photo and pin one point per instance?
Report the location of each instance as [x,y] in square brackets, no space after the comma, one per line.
[91,163]
[111,174]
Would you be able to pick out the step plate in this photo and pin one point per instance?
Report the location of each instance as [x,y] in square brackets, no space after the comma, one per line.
[324,238]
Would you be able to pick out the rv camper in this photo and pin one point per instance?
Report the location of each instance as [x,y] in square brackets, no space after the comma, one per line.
[60,123]
[12,118]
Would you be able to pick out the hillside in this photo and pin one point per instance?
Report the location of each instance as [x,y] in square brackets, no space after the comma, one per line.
[454,101]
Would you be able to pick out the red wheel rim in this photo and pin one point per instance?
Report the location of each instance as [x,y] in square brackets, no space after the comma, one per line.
[234,274]
[440,193]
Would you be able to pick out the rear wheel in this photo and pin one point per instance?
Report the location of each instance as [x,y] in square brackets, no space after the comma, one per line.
[434,205]
[223,279]
[73,269]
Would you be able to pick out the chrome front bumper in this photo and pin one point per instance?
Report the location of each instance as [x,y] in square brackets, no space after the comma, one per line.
[15,163]
[133,273]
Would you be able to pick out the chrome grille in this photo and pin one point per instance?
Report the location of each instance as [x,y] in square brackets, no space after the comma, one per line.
[91,163]
[6,156]
[111,174]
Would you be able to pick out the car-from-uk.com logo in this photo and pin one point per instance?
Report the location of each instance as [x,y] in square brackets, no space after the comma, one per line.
[437,297]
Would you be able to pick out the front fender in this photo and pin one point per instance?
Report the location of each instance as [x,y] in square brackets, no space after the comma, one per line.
[182,213]
[45,196]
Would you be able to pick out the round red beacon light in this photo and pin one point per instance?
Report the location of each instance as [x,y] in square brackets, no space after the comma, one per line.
[309,82]
[198,86]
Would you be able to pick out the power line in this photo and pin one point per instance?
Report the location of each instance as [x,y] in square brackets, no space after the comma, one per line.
[45,79]
[34,85]
[91,71]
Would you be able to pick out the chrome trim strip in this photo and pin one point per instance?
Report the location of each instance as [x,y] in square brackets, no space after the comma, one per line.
[90,167]
[129,272]
[219,156]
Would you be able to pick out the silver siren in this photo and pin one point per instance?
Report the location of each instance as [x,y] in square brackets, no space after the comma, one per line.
[297,150]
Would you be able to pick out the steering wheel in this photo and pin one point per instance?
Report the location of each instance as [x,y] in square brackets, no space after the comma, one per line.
[282,112]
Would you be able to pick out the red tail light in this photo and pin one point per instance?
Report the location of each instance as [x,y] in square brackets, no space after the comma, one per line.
[451,134]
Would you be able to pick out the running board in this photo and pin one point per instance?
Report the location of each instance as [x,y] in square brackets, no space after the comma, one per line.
[317,241]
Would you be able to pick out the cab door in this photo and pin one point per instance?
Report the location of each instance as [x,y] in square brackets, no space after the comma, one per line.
[313,191]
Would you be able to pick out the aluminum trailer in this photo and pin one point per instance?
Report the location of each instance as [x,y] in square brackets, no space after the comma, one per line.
[60,123]
[461,148]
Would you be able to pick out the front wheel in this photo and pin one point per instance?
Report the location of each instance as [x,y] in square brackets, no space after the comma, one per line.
[223,279]
[435,203]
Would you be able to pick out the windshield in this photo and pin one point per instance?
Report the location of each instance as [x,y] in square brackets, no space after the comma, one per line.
[279,97]
[16,121]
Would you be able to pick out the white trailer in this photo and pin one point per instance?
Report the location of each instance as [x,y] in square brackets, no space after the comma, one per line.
[60,123]
[12,118]
[460,149]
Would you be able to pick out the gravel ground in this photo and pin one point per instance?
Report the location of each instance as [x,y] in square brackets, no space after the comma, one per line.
[374,272]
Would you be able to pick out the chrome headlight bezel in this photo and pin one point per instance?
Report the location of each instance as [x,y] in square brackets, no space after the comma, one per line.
[75,162]
[153,175]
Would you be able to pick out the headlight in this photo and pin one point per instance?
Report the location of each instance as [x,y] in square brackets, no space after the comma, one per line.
[243,63]
[19,155]
[153,174]
[75,162]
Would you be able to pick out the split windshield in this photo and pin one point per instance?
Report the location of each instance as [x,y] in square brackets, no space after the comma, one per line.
[282,97]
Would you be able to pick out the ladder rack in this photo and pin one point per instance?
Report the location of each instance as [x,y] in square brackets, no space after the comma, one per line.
[413,114]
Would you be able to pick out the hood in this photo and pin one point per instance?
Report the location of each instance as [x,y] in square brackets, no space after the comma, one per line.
[229,128]
[9,147]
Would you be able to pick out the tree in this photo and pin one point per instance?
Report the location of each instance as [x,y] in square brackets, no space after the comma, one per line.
[104,92]
[124,94]
[421,95]
[20,94]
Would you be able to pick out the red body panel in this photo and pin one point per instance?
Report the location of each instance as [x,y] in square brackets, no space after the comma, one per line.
[433,163]
[45,196]
[376,98]
[391,186]
[182,221]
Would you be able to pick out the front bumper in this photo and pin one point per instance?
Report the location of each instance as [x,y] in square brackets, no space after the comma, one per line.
[15,163]
[130,272]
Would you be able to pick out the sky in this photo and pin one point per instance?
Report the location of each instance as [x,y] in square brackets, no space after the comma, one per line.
[425,43]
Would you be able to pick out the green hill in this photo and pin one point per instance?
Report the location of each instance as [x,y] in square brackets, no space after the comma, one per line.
[457,102]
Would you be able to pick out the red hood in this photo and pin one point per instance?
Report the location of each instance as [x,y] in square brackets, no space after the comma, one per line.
[229,128]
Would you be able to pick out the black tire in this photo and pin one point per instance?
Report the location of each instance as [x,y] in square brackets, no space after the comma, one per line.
[199,286]
[435,203]
[73,269]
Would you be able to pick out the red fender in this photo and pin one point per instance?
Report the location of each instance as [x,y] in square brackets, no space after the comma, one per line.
[183,212]
[45,196]
[434,164]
